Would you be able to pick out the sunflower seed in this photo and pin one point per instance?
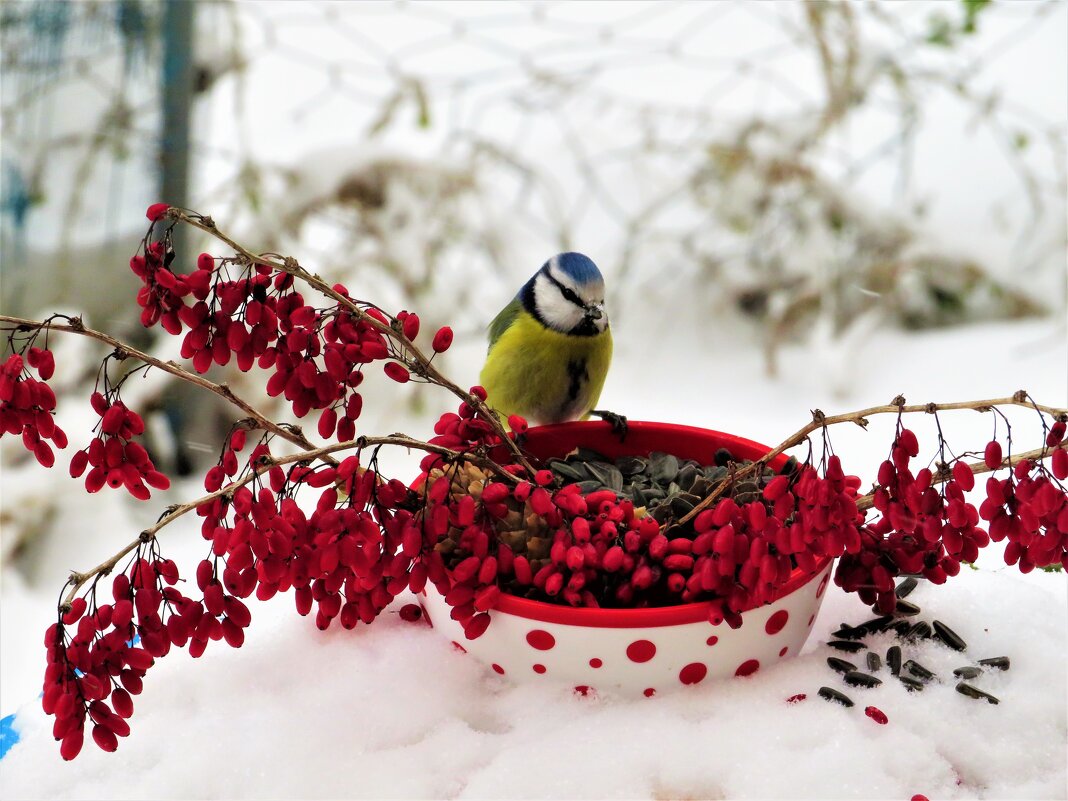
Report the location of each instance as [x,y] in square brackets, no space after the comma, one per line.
[840,665]
[631,465]
[975,692]
[858,679]
[790,467]
[608,474]
[904,607]
[921,631]
[876,624]
[665,467]
[847,632]
[918,670]
[906,586]
[847,645]
[999,662]
[570,471]
[968,672]
[901,627]
[893,658]
[948,636]
[587,455]
[680,506]
[687,476]
[586,487]
[715,473]
[874,662]
[833,695]
[910,684]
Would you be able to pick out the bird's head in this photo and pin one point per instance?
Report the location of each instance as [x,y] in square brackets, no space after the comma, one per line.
[567,295]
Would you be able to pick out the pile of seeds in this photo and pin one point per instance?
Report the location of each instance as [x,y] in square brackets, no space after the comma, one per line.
[666,486]
[909,672]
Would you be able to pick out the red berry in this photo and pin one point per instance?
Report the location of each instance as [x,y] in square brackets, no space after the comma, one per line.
[397,372]
[875,714]
[992,455]
[156,211]
[442,339]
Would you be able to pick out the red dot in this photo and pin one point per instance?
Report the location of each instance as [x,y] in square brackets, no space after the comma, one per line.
[542,640]
[498,668]
[776,622]
[783,650]
[811,620]
[693,673]
[747,668]
[539,668]
[583,690]
[458,647]
[712,640]
[595,663]
[649,692]
[641,651]
[823,585]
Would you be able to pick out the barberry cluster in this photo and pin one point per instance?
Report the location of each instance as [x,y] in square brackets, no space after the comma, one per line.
[114,457]
[928,527]
[28,404]
[597,550]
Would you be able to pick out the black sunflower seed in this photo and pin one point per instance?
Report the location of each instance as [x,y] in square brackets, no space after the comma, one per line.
[840,665]
[847,632]
[999,662]
[876,624]
[687,476]
[918,670]
[664,466]
[874,662]
[847,645]
[586,487]
[968,672]
[587,455]
[906,586]
[722,457]
[948,636]
[858,679]
[911,684]
[680,507]
[893,659]
[831,694]
[974,692]
[921,631]
[901,627]
[904,607]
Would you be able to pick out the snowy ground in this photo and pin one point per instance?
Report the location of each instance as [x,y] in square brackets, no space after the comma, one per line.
[394,711]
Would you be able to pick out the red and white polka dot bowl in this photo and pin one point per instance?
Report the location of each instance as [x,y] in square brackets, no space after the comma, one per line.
[637,651]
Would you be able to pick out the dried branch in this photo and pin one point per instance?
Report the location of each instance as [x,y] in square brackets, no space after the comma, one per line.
[860,418]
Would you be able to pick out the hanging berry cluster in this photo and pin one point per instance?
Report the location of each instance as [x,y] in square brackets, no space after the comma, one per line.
[326,524]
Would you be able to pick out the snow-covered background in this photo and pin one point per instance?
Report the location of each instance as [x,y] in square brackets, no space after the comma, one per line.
[393,710]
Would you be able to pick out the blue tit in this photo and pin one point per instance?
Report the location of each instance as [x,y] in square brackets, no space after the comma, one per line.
[549,349]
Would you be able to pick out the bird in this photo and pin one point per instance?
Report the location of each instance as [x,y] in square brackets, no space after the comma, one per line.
[551,346]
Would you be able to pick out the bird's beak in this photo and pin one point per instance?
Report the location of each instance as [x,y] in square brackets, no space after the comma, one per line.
[595,312]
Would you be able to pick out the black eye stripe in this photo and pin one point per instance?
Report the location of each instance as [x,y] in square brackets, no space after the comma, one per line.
[567,292]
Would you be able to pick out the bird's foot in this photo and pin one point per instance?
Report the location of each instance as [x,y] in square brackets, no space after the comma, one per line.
[617,421]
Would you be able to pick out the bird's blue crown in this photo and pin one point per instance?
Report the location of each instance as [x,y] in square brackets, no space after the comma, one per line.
[579,268]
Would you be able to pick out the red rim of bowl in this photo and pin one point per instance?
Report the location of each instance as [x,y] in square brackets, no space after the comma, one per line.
[657,615]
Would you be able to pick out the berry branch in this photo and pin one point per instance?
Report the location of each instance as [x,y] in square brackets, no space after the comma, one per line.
[418,362]
[897,406]
[122,350]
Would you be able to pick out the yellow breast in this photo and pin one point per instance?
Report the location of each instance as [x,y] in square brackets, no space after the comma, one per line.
[543,375]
